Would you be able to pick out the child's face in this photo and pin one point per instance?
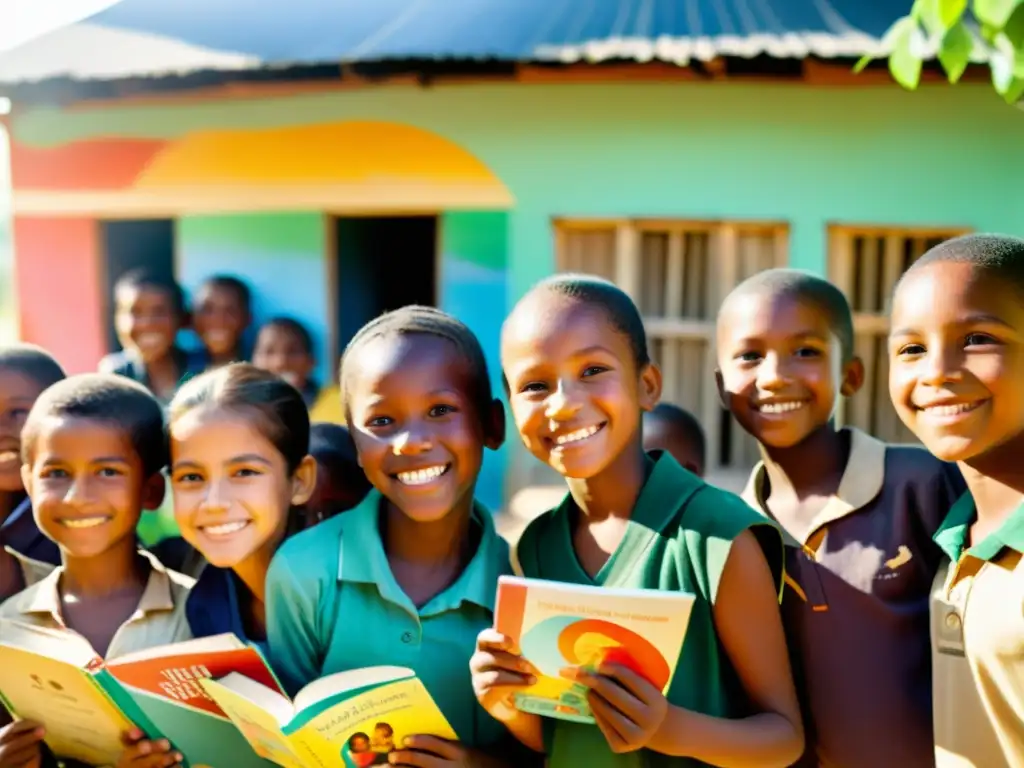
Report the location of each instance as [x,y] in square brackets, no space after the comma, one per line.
[360,744]
[18,392]
[956,353]
[781,370]
[146,321]
[415,425]
[574,388]
[663,435]
[281,351]
[232,490]
[87,485]
[220,319]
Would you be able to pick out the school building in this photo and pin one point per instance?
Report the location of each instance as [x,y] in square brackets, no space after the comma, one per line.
[455,160]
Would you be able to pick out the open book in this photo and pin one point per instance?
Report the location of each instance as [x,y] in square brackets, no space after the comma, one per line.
[351,719]
[556,626]
[86,704]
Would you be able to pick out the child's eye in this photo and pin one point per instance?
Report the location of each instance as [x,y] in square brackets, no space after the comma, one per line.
[54,473]
[189,477]
[441,410]
[593,370]
[247,472]
[534,386]
[748,357]
[379,421]
[978,340]
[808,352]
[910,349]
[109,472]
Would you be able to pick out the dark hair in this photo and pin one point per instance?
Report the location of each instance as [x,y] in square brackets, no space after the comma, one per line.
[357,735]
[999,255]
[107,398]
[685,424]
[385,726]
[230,283]
[622,313]
[425,321]
[279,410]
[294,327]
[32,361]
[332,446]
[142,278]
[806,288]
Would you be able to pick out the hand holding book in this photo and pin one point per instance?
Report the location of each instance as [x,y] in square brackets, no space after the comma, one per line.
[627,708]
[21,744]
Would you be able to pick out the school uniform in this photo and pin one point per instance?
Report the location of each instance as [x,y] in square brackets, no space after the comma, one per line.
[35,554]
[128,364]
[678,539]
[855,607]
[213,606]
[978,644]
[333,605]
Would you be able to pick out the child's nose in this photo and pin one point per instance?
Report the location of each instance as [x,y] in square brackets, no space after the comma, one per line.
[411,441]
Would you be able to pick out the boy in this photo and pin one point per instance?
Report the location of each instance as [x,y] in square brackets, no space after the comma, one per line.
[223,311]
[92,450]
[25,554]
[957,363]
[340,482]
[672,429]
[858,517]
[148,313]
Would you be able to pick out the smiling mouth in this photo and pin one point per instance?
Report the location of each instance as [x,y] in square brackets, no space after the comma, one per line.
[579,435]
[422,476]
[950,410]
[149,339]
[224,529]
[85,522]
[780,406]
[9,457]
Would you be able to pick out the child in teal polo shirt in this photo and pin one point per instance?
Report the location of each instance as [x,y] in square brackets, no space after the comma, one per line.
[576,365]
[409,576]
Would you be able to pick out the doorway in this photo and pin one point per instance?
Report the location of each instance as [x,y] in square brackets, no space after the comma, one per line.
[382,263]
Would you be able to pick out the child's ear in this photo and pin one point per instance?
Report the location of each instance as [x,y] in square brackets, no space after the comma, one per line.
[494,425]
[723,396]
[153,491]
[304,481]
[650,387]
[853,377]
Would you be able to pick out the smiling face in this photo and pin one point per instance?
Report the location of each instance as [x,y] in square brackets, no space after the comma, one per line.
[957,361]
[87,485]
[220,318]
[780,367]
[17,394]
[417,430]
[232,489]
[146,321]
[574,388]
[281,351]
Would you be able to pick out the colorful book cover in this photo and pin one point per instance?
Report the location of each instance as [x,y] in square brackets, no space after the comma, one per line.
[559,626]
[348,720]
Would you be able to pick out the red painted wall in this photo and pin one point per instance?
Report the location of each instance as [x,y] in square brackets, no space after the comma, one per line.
[57,272]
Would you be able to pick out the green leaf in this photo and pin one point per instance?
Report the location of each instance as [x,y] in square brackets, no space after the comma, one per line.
[860,65]
[955,51]
[905,59]
[1014,28]
[995,12]
[1015,91]
[951,12]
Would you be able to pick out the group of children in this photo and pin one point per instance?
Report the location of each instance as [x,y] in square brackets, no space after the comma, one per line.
[900,638]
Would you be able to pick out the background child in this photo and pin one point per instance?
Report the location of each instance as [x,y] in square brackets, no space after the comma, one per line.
[222,313]
[93,448]
[25,371]
[341,483]
[148,313]
[668,427]
[575,359]
[957,363]
[858,517]
[415,565]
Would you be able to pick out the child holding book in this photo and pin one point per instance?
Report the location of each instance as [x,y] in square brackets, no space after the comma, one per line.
[858,517]
[414,568]
[93,448]
[956,353]
[578,373]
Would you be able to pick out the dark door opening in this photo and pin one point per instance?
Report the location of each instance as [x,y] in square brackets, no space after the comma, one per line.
[382,263]
[134,244]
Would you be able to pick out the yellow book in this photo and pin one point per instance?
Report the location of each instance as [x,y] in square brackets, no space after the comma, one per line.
[348,720]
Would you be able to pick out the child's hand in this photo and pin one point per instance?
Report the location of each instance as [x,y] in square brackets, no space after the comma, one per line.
[140,752]
[628,709]
[20,744]
[433,752]
[498,671]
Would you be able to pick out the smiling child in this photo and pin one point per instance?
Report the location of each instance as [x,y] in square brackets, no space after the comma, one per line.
[222,313]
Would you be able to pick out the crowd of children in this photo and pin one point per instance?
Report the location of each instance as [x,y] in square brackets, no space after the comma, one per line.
[859,605]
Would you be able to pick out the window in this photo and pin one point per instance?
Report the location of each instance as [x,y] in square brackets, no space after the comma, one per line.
[678,272]
[866,262]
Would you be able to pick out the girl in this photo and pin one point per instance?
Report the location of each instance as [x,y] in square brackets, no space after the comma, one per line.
[575,359]
[414,567]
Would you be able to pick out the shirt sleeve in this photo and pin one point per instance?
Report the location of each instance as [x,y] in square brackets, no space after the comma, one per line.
[293,636]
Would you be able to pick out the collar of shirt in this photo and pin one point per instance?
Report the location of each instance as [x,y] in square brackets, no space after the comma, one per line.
[20,535]
[213,607]
[952,535]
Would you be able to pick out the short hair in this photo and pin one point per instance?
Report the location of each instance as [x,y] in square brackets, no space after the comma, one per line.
[685,424]
[142,278]
[230,283]
[806,288]
[277,409]
[999,255]
[332,446]
[424,321]
[109,399]
[294,327]
[32,362]
[620,309]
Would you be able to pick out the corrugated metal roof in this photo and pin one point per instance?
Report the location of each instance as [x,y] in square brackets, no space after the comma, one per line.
[138,38]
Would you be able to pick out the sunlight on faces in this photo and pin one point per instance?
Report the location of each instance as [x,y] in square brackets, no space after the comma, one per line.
[146,321]
[781,371]
[957,360]
[573,384]
[280,351]
[87,485]
[17,394]
[232,491]
[220,319]
[415,424]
